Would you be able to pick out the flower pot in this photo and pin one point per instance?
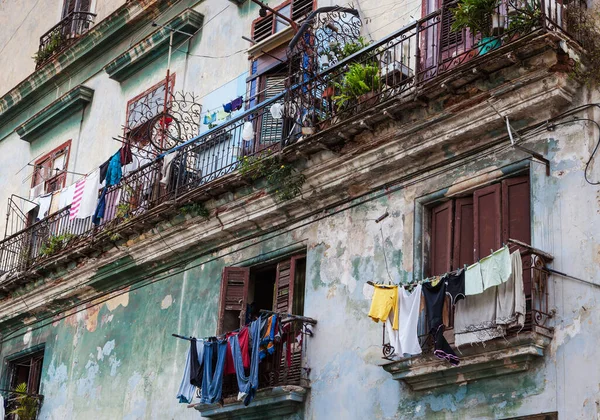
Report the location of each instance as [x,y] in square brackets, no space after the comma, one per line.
[328,92]
[368,99]
[487,44]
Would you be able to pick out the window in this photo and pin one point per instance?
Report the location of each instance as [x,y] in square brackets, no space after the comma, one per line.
[264,27]
[143,108]
[71,6]
[26,369]
[275,287]
[49,171]
[465,229]
[448,37]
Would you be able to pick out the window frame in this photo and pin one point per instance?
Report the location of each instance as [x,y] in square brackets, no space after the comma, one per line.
[274,18]
[50,157]
[36,352]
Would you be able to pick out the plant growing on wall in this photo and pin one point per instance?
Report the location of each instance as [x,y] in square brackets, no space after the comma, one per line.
[360,81]
[584,25]
[26,405]
[195,208]
[285,180]
[55,243]
[55,42]
[123,210]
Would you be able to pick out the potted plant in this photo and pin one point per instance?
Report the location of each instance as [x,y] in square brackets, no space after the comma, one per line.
[26,405]
[360,83]
[478,17]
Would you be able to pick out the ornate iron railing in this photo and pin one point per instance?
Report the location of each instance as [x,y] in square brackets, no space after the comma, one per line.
[314,100]
[286,365]
[62,35]
[535,284]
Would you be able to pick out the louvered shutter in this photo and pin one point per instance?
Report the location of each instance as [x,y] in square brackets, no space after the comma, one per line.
[271,129]
[301,8]
[486,211]
[448,38]
[284,286]
[234,293]
[441,238]
[463,233]
[516,219]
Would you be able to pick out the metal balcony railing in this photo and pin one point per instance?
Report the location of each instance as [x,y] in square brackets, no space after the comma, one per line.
[62,35]
[315,99]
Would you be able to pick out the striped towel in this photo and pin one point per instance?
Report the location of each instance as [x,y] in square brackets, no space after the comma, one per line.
[77,197]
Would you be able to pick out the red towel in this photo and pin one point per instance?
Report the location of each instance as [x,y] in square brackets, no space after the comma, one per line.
[243,338]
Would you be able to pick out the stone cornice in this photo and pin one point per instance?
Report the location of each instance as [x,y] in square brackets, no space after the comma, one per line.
[153,46]
[97,40]
[54,113]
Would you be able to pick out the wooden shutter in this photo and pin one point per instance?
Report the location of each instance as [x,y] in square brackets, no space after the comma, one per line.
[486,212]
[448,38]
[301,8]
[234,292]
[284,285]
[516,216]
[463,233]
[441,238]
[271,129]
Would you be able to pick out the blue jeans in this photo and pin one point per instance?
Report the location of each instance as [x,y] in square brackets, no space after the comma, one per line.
[212,382]
[247,384]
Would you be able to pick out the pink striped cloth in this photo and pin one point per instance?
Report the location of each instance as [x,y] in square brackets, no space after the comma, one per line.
[77,197]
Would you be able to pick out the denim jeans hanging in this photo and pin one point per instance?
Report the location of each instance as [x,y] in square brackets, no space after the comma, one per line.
[247,384]
[212,382]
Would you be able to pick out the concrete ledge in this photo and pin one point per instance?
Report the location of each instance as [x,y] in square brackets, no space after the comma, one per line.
[268,403]
[56,112]
[498,357]
[153,46]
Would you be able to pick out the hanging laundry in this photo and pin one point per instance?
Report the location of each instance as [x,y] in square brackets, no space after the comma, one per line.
[196,373]
[212,380]
[495,268]
[44,202]
[385,299]
[473,280]
[29,206]
[405,339]
[247,385]
[510,303]
[247,131]
[237,103]
[104,169]
[126,155]
[276,111]
[455,286]
[114,172]
[474,318]
[227,108]
[54,205]
[210,119]
[267,345]
[242,338]
[434,306]
[66,196]
[165,170]
[194,354]
[85,197]
[222,116]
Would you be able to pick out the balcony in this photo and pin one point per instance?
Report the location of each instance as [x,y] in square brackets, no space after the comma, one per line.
[283,380]
[320,111]
[18,404]
[62,35]
[516,352]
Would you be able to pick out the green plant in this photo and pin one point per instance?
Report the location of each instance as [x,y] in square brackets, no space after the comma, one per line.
[114,236]
[123,210]
[349,48]
[359,80]
[476,15]
[584,25]
[27,406]
[524,17]
[285,180]
[55,243]
[56,41]
[195,208]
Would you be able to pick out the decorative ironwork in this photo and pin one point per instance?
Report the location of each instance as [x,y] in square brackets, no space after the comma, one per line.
[62,35]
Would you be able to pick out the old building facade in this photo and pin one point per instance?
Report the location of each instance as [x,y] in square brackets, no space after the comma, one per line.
[243,171]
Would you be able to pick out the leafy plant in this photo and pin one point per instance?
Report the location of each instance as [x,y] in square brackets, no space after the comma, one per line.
[195,208]
[584,25]
[56,41]
[27,406]
[360,79]
[55,244]
[476,15]
[123,210]
[349,48]
[285,180]
[525,17]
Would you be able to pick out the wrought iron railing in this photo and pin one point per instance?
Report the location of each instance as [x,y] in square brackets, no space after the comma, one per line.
[538,313]
[286,365]
[314,100]
[63,34]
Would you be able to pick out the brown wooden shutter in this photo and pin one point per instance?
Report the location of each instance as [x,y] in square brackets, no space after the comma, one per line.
[441,238]
[284,285]
[516,216]
[448,38]
[486,212]
[234,292]
[463,233]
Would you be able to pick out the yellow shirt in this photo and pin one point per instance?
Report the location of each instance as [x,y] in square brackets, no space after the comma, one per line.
[385,299]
